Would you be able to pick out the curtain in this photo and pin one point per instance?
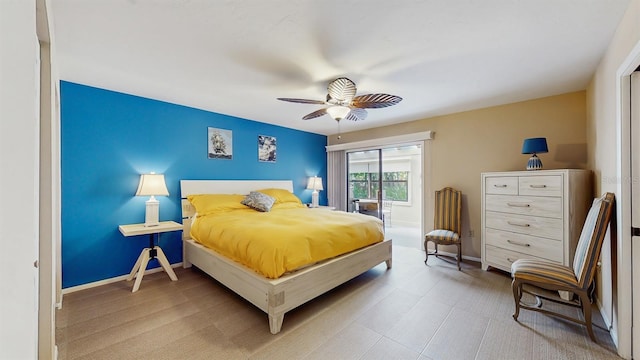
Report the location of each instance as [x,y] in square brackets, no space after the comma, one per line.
[336,180]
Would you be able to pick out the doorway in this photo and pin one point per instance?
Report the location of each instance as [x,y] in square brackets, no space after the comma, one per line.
[626,266]
[635,210]
[387,182]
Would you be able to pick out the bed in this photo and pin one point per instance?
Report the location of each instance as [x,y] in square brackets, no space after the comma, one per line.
[273,296]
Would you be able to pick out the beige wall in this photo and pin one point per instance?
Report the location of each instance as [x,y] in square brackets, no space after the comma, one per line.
[469,143]
[603,146]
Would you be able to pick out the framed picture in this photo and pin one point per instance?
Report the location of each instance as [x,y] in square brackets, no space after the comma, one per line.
[220,143]
[266,148]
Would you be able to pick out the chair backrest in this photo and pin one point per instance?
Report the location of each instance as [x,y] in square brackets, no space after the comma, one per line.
[448,210]
[591,238]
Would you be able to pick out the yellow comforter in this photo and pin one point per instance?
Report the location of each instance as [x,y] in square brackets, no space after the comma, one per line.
[273,243]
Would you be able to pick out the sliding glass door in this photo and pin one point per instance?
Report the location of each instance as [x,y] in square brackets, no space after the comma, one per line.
[387,183]
[364,182]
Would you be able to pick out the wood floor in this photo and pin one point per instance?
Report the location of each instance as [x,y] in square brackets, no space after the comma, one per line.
[412,311]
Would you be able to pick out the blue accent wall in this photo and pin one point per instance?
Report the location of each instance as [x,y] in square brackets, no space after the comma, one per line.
[108,139]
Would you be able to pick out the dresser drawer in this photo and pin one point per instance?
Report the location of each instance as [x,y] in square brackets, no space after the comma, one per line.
[525,205]
[523,224]
[503,258]
[506,185]
[535,246]
[541,185]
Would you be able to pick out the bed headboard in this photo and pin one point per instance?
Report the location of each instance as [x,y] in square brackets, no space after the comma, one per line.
[192,187]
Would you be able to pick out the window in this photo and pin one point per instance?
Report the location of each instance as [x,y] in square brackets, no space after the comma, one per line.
[395,185]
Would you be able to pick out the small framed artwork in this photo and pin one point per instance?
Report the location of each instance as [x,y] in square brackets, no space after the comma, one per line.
[266,148]
[220,143]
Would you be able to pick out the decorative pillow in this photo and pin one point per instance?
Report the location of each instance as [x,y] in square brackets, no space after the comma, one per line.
[259,201]
[281,195]
[209,203]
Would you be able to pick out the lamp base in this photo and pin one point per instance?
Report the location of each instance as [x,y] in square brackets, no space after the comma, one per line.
[534,163]
[152,212]
[314,199]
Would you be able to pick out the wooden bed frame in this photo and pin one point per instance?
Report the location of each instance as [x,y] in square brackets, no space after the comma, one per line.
[273,296]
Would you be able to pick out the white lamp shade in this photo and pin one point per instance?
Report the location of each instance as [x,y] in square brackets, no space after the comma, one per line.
[315,183]
[151,185]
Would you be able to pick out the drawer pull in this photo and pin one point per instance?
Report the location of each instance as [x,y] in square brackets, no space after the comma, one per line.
[500,185]
[518,205]
[538,186]
[518,243]
[511,261]
[518,224]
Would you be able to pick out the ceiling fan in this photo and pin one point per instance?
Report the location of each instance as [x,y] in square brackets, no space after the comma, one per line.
[344,104]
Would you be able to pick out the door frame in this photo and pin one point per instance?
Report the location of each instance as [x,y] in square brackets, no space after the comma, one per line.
[421,138]
[380,150]
[634,121]
[379,158]
[623,292]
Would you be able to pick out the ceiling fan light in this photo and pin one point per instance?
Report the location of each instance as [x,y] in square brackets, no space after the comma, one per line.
[338,112]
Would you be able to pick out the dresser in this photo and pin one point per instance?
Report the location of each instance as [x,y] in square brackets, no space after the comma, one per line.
[533,214]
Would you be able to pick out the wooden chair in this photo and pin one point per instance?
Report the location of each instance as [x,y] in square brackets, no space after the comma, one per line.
[446,222]
[554,277]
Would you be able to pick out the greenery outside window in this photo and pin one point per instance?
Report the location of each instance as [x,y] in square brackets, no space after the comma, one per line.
[395,185]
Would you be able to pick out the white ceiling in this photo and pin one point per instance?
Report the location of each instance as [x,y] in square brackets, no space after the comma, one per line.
[236,57]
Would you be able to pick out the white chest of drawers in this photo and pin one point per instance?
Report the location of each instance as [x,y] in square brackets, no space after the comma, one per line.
[533,214]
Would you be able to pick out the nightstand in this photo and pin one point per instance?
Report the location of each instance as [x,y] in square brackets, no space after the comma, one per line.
[151,252]
[322,207]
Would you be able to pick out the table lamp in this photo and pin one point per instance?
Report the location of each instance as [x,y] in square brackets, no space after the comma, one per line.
[315,184]
[151,185]
[534,146]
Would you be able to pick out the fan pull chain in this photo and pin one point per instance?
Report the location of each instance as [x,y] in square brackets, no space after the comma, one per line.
[339,137]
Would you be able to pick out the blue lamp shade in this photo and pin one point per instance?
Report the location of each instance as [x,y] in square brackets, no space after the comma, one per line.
[534,146]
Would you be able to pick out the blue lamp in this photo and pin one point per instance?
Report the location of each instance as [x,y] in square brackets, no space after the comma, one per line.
[534,146]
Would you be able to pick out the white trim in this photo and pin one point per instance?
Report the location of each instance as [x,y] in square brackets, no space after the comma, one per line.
[382,142]
[605,317]
[464,257]
[621,333]
[72,289]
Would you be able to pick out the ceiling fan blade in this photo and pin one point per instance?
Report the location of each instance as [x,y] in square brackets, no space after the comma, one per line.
[342,90]
[303,101]
[356,114]
[375,100]
[315,114]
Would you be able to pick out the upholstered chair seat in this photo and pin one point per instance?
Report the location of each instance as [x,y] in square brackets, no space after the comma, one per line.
[446,223]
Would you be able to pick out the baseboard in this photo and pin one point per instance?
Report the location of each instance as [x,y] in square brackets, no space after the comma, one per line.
[607,322]
[72,289]
[464,257]
[472,258]
[112,280]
